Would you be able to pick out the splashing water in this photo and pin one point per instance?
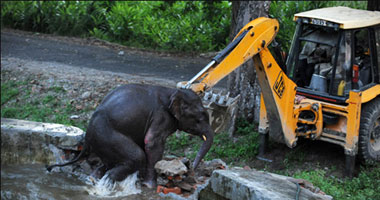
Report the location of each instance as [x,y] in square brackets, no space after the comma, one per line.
[106,188]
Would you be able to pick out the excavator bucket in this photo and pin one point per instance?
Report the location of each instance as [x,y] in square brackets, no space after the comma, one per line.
[221,109]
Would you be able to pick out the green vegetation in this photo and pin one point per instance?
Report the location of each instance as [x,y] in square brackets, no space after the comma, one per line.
[175,26]
[10,91]
[365,186]
[242,147]
[44,108]
[187,26]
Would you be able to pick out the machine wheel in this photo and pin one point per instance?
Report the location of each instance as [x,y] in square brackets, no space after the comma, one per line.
[369,134]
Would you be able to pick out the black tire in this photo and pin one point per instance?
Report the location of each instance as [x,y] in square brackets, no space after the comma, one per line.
[369,134]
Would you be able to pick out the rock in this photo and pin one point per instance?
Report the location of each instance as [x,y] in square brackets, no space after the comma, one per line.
[74,117]
[190,179]
[242,184]
[216,163]
[185,186]
[208,54]
[86,95]
[162,181]
[170,168]
[208,167]
[32,142]
[201,179]
[186,162]
[170,157]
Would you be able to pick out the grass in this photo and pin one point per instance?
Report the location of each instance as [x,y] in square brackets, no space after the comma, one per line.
[365,186]
[10,91]
[242,148]
[47,107]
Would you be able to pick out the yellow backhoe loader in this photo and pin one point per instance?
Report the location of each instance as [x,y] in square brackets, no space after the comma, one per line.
[329,87]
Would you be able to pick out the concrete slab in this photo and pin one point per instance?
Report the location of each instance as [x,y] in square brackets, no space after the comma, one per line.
[35,142]
[243,184]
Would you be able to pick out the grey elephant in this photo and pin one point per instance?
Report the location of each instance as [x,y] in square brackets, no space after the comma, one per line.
[129,128]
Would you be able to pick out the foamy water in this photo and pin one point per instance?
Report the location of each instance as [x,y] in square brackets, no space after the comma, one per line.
[106,188]
[32,181]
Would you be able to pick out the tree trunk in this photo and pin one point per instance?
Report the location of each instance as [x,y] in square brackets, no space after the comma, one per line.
[373,5]
[243,80]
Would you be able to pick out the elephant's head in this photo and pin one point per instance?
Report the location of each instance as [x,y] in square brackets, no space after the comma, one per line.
[187,108]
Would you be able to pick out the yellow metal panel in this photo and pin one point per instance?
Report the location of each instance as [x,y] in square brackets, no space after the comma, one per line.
[263,123]
[348,18]
[370,93]
[279,94]
[353,123]
[261,29]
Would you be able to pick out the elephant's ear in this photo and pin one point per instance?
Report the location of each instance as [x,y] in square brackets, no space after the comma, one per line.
[175,104]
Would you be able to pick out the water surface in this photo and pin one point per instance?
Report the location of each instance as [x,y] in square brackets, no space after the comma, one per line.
[32,181]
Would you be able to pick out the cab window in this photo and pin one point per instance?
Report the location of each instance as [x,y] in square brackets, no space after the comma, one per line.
[362,68]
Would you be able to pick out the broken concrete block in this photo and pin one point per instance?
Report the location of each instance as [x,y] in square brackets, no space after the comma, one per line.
[206,168]
[170,168]
[251,184]
[30,142]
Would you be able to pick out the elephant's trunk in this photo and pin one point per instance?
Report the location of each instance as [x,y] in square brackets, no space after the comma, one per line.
[208,138]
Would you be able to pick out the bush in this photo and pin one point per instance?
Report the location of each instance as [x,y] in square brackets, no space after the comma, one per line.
[170,26]
[189,26]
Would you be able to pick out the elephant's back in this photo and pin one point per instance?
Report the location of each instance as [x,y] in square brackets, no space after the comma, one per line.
[128,107]
[137,96]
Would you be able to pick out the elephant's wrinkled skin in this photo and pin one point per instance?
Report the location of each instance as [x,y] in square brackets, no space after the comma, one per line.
[129,128]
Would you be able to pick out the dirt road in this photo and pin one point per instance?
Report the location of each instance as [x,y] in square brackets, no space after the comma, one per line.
[100,55]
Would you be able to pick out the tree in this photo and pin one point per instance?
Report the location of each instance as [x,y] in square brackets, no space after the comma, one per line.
[243,80]
[373,5]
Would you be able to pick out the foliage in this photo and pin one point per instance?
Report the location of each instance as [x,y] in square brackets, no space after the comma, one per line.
[10,91]
[243,146]
[175,26]
[171,26]
[46,108]
[365,186]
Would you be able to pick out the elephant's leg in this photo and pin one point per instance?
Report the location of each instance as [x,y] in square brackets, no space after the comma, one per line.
[99,172]
[129,158]
[119,153]
[154,149]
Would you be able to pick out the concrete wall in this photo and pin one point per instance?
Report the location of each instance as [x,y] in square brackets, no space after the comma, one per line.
[35,142]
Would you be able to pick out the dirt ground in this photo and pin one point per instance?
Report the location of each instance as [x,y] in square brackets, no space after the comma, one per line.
[85,87]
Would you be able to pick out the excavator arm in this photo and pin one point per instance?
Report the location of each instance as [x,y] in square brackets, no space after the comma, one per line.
[278,90]
[251,39]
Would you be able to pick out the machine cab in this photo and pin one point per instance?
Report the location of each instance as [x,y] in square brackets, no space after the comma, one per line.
[331,55]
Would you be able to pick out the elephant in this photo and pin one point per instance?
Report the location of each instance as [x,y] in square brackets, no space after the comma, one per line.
[129,128]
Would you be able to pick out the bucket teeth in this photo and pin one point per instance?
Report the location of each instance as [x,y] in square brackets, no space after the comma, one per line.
[218,98]
[221,109]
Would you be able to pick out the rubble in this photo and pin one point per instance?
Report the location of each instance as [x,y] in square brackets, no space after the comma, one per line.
[86,95]
[170,168]
[174,175]
[239,183]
